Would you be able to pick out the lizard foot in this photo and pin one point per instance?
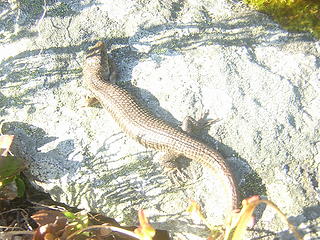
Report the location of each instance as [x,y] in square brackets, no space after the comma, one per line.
[191,125]
[176,175]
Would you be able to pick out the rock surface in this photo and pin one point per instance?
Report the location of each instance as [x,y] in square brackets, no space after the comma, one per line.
[182,58]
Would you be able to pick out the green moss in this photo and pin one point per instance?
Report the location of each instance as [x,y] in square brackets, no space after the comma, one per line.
[296,15]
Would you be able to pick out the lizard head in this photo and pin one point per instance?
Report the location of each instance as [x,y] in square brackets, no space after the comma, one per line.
[97,63]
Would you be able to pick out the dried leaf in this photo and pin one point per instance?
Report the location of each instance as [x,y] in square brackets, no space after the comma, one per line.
[145,231]
[5,143]
[44,217]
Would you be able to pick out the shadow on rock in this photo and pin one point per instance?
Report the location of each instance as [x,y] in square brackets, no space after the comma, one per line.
[29,144]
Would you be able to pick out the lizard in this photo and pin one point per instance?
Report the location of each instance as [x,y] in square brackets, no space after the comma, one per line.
[140,124]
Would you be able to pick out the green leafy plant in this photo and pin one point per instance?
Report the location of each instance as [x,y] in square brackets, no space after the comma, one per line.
[296,15]
[11,184]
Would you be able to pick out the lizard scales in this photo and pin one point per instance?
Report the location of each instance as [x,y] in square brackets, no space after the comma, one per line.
[137,122]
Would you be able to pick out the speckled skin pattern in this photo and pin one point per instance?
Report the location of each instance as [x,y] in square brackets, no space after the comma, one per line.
[138,123]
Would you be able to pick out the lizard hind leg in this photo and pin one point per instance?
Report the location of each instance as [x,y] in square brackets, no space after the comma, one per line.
[168,161]
[89,101]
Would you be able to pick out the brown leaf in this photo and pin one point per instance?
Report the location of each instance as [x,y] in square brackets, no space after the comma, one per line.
[44,217]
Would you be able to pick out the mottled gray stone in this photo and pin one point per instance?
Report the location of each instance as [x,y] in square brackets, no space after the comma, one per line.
[182,58]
